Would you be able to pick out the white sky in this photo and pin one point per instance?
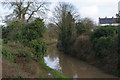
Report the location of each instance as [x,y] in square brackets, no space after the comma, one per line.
[86,8]
[93,8]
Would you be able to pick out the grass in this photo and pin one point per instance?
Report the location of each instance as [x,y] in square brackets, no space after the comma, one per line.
[54,73]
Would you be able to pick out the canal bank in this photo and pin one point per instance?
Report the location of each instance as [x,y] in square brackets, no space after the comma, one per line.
[16,64]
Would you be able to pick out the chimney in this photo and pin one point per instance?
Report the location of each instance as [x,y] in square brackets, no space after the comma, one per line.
[118,6]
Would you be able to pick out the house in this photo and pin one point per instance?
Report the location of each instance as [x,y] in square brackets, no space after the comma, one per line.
[108,21]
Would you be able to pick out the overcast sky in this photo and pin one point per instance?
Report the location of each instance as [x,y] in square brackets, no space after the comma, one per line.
[86,8]
[94,8]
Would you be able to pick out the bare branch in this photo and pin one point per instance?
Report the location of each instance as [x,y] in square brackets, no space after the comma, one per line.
[26,10]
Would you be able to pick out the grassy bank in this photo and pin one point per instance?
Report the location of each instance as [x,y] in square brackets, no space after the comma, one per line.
[52,72]
[19,62]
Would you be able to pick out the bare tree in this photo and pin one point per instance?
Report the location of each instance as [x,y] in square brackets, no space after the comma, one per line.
[85,26]
[89,24]
[52,30]
[61,11]
[25,11]
[65,16]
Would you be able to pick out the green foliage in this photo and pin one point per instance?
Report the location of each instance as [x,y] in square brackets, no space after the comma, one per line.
[105,31]
[5,41]
[66,32]
[63,38]
[119,51]
[10,32]
[1,41]
[85,26]
[119,40]
[104,46]
[1,32]
[80,28]
[104,41]
[13,51]
[7,54]
[30,34]
[25,54]
[34,30]
[118,17]
[33,35]
[39,46]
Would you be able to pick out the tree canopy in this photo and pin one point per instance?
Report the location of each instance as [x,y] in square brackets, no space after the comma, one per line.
[25,11]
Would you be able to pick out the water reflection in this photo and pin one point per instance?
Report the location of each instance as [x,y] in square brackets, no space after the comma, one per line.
[53,63]
[75,76]
[70,66]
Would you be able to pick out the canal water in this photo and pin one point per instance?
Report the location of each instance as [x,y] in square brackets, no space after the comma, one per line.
[70,66]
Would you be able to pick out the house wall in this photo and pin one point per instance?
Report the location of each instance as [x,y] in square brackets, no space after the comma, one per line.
[109,24]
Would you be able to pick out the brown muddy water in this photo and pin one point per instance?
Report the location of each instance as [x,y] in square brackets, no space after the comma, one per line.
[70,66]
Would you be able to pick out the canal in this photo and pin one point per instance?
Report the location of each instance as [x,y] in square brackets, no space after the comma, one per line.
[70,66]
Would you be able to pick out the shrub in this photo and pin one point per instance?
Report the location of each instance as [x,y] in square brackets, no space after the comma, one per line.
[21,32]
[34,30]
[39,46]
[119,52]
[5,41]
[7,54]
[82,47]
[10,32]
[104,31]
[16,51]
[66,32]
[25,54]
[30,34]
[104,41]
[33,35]
[1,41]
[104,46]
[119,40]
[80,29]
